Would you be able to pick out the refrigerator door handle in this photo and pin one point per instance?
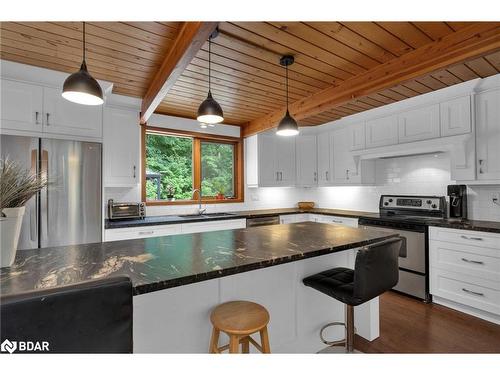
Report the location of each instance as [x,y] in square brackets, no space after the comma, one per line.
[34,213]
[45,173]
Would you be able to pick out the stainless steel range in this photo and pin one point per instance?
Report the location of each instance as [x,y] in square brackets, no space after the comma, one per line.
[408,216]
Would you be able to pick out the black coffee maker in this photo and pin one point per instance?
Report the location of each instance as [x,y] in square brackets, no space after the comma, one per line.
[458,201]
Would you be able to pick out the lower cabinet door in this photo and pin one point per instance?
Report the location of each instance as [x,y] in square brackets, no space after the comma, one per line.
[141,232]
[209,226]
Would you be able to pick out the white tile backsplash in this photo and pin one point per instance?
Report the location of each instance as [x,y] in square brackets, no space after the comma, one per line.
[412,175]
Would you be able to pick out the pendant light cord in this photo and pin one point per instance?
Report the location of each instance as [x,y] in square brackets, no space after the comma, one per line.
[209,62]
[286,70]
[83,41]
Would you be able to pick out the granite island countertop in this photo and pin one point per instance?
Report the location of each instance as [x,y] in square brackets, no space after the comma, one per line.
[165,262]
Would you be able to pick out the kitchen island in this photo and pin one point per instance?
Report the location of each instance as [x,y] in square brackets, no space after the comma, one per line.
[178,279]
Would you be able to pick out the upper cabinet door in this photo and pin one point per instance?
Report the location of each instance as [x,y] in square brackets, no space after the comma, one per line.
[21,106]
[323,155]
[382,132]
[344,167]
[268,171]
[357,136]
[285,156]
[419,124]
[121,139]
[307,173]
[64,117]
[488,135]
[455,117]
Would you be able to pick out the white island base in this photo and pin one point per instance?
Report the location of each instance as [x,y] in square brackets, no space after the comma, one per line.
[176,320]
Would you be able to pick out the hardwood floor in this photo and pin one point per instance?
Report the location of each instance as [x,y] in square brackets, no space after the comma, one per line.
[411,326]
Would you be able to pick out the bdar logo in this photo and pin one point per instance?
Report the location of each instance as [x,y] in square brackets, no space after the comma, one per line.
[8,346]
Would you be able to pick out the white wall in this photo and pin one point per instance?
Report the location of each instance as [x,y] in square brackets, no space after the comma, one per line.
[414,175]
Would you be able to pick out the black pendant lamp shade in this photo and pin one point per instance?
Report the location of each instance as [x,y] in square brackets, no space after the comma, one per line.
[81,87]
[287,126]
[209,111]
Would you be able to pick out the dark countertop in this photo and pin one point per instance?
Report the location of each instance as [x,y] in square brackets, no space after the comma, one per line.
[174,219]
[165,262]
[477,225]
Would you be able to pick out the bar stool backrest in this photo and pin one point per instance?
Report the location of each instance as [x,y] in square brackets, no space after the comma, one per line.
[376,269]
[88,317]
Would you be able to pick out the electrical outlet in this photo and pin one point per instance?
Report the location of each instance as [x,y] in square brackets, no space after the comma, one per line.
[495,198]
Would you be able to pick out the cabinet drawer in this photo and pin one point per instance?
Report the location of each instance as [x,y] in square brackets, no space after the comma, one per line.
[141,232]
[470,260]
[208,226]
[336,220]
[466,237]
[287,219]
[470,291]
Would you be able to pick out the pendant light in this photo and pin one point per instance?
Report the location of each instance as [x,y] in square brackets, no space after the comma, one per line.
[81,87]
[287,126]
[210,112]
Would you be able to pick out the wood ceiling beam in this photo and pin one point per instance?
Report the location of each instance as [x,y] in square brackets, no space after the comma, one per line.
[472,41]
[191,37]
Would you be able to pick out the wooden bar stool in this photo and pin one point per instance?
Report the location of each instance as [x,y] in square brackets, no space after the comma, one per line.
[239,319]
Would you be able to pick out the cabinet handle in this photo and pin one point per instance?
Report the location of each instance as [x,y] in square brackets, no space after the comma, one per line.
[47,122]
[277,176]
[36,118]
[315,176]
[347,174]
[471,238]
[472,261]
[281,176]
[144,233]
[326,175]
[337,221]
[472,292]
[134,170]
[481,165]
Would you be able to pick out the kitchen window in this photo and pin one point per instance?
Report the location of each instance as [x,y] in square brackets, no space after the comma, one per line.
[176,162]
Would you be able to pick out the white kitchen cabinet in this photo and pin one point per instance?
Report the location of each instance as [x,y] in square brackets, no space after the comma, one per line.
[287,219]
[121,147]
[347,169]
[285,156]
[209,226]
[64,117]
[382,131]
[324,158]
[276,160]
[141,232]
[21,106]
[336,220]
[488,135]
[306,160]
[465,271]
[357,136]
[456,116]
[419,124]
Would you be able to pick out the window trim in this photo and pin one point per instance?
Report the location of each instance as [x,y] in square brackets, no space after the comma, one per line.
[197,137]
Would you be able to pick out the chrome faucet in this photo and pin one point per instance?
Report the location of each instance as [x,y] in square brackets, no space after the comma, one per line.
[200,210]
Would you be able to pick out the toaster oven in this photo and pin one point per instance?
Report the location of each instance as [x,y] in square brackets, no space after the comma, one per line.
[117,210]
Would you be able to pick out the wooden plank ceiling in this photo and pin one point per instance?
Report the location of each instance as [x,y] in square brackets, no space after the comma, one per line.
[126,53]
[247,79]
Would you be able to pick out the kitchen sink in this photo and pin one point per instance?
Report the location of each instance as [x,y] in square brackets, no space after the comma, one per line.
[206,216]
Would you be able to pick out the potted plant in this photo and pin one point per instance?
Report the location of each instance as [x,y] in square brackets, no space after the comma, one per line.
[17,186]
[170,192]
[219,187]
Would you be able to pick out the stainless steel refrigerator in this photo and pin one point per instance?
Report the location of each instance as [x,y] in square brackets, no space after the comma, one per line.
[69,211]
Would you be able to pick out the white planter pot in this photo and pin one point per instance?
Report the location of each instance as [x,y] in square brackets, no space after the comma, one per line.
[10,229]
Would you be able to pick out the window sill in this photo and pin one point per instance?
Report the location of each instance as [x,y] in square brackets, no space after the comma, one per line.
[192,202]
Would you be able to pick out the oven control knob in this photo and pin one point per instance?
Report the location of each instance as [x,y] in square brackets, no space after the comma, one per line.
[434,205]
[390,200]
[386,203]
[429,201]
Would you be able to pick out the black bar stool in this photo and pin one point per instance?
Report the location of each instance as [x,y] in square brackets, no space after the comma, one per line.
[88,317]
[375,272]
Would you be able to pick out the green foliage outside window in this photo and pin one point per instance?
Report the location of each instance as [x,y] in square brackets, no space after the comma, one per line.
[169,162]
[171,158]
[217,169]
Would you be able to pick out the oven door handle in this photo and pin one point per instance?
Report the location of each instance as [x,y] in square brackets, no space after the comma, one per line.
[403,251]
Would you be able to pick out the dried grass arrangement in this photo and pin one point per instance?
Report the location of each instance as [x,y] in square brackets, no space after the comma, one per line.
[18,184]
